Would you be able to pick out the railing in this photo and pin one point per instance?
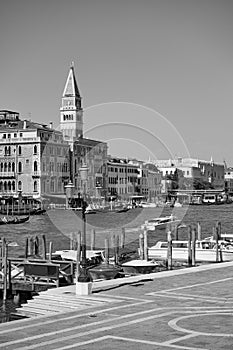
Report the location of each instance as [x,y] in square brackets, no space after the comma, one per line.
[37,272]
[7,174]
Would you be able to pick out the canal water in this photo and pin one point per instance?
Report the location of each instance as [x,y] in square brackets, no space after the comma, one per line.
[59,225]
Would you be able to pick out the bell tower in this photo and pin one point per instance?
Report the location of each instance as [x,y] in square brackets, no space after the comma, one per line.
[71,112]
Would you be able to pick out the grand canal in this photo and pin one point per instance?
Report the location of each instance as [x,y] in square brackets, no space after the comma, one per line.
[59,225]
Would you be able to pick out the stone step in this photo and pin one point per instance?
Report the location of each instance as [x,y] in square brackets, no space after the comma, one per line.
[55,303]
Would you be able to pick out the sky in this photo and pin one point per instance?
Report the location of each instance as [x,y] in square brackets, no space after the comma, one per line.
[156,76]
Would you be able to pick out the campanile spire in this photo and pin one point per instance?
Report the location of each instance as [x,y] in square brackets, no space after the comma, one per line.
[71,112]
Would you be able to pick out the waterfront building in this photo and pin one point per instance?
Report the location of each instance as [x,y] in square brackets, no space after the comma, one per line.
[34,158]
[202,173]
[83,151]
[131,177]
[93,154]
[149,181]
[122,178]
[229,180]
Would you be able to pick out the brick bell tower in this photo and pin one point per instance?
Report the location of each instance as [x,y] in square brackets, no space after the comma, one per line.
[71,112]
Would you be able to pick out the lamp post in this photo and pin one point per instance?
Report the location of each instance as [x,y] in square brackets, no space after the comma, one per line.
[69,193]
[83,276]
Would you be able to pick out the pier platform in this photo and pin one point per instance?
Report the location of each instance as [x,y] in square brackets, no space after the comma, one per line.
[189,309]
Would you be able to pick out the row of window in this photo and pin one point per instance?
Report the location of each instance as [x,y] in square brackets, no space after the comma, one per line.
[10,167]
[122,170]
[60,167]
[10,186]
[122,180]
[12,135]
[68,117]
[8,150]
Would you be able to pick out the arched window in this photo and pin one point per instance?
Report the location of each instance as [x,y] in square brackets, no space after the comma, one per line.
[35,186]
[13,166]
[75,166]
[9,167]
[9,186]
[20,150]
[20,185]
[5,186]
[20,168]
[35,149]
[9,150]
[1,167]
[5,150]
[5,167]
[1,186]
[35,166]
[13,186]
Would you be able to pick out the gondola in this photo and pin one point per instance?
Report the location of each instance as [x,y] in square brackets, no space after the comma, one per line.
[13,220]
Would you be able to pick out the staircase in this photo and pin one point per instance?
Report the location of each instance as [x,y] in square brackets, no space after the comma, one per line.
[59,300]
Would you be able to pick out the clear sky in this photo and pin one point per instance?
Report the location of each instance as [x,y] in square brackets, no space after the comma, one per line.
[169,63]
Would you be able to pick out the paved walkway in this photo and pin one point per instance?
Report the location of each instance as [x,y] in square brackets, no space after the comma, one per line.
[185,309]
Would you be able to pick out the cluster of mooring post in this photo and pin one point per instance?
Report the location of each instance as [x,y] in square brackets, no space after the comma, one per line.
[32,248]
[194,234]
[116,242]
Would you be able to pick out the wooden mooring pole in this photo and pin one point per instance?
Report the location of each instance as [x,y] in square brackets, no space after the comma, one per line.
[189,246]
[106,251]
[78,255]
[169,249]
[117,250]
[123,237]
[193,246]
[4,249]
[145,244]
[93,239]
[141,245]
[199,231]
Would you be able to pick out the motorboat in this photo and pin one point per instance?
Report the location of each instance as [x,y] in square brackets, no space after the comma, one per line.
[135,267]
[95,256]
[13,220]
[160,222]
[147,205]
[205,251]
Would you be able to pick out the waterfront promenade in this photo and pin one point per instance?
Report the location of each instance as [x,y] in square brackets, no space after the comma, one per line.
[181,309]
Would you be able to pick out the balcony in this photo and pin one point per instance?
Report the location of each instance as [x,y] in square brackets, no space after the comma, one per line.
[7,174]
[36,173]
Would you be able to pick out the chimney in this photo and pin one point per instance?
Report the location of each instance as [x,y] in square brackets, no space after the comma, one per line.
[24,124]
[51,125]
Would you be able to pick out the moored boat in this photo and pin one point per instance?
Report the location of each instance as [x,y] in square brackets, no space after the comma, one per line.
[160,222]
[205,251]
[13,220]
[135,267]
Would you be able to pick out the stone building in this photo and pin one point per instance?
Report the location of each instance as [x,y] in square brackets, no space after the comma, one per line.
[208,173]
[34,158]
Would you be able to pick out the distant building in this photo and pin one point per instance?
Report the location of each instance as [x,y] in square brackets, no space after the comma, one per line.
[122,178]
[229,180]
[34,158]
[207,174]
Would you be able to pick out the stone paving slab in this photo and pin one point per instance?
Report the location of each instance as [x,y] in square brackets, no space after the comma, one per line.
[191,310]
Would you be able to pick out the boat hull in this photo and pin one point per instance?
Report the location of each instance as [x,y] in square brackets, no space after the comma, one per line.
[202,255]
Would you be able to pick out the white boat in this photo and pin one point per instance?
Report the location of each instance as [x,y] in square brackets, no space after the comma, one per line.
[147,205]
[134,267]
[160,222]
[205,251]
[71,254]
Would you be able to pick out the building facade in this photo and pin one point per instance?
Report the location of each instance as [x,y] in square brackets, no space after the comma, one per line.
[34,158]
[199,172]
